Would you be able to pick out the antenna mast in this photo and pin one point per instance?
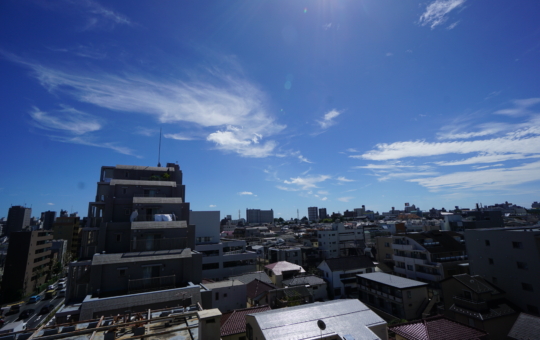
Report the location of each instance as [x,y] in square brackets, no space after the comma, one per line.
[159,150]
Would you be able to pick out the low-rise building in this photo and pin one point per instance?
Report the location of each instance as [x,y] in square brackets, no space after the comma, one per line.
[282,270]
[397,296]
[437,328]
[340,273]
[233,325]
[338,319]
[316,286]
[225,295]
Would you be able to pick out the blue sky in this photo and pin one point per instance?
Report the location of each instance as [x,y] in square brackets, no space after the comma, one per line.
[274,104]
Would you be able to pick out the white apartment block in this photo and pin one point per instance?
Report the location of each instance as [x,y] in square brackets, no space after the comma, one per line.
[332,241]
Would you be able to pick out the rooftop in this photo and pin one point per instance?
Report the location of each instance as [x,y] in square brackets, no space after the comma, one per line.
[225,283]
[526,327]
[310,280]
[343,317]
[437,328]
[248,277]
[235,322]
[143,183]
[392,280]
[476,283]
[142,256]
[158,224]
[256,288]
[283,266]
[157,200]
[147,168]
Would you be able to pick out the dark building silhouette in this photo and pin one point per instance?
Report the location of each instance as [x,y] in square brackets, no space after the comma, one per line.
[18,218]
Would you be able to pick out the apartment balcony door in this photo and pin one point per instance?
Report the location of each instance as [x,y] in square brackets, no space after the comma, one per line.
[150,192]
[152,241]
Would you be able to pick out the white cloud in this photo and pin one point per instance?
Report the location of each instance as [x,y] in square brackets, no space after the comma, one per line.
[245,193]
[487,158]
[324,198]
[352,150]
[178,136]
[389,54]
[327,26]
[345,199]
[106,145]
[50,203]
[453,25]
[304,159]
[99,17]
[343,179]
[437,12]
[306,183]
[400,175]
[521,107]
[323,192]
[284,188]
[487,166]
[212,206]
[491,179]
[226,102]
[67,120]
[328,119]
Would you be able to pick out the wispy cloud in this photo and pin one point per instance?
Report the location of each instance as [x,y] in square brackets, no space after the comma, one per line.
[389,54]
[304,159]
[328,119]
[452,25]
[212,206]
[343,179]
[66,119]
[345,199]
[227,102]
[245,193]
[308,182]
[521,107]
[98,16]
[437,12]
[50,203]
[491,179]
[178,136]
[88,142]
[487,158]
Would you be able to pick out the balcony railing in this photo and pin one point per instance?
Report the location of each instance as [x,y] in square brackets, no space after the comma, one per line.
[152,218]
[151,284]
[150,195]
[469,303]
[158,244]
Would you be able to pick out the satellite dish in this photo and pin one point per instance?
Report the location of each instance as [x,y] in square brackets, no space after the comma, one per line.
[321,324]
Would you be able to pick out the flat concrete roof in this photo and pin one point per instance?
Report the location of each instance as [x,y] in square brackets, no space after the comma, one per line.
[392,280]
[158,224]
[144,183]
[148,168]
[157,200]
[143,256]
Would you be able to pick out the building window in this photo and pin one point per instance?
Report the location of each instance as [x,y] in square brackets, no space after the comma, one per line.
[532,309]
[522,265]
[224,295]
[211,321]
[409,267]
[217,296]
[517,245]
[124,191]
[409,294]
[126,212]
[121,272]
[386,244]
[527,286]
[118,237]
[490,260]
[388,256]
[126,174]
[487,243]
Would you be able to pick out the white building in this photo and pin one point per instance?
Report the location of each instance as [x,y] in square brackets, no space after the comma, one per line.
[332,242]
[340,273]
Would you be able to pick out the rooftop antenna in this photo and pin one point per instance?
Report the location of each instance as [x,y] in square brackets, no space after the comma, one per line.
[159,150]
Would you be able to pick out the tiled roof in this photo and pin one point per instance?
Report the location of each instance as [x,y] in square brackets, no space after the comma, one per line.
[311,280]
[256,288]
[235,323]
[493,312]
[437,328]
[526,327]
[248,277]
[283,266]
[476,283]
[349,263]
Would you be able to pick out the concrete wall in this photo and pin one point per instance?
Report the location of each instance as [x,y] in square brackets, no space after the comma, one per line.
[207,226]
[226,298]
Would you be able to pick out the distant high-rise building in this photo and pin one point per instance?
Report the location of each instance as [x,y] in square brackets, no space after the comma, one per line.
[322,213]
[313,213]
[259,216]
[68,228]
[48,217]
[18,218]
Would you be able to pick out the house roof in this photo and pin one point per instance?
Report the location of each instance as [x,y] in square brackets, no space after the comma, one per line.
[311,280]
[443,241]
[344,317]
[392,280]
[235,322]
[494,311]
[284,266]
[293,292]
[256,288]
[224,283]
[248,277]
[349,263]
[476,283]
[526,327]
[437,328]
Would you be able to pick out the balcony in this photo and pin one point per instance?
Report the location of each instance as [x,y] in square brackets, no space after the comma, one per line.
[158,244]
[402,246]
[151,284]
[429,277]
[464,302]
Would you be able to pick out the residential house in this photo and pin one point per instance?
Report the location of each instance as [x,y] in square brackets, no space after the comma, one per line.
[257,292]
[288,297]
[282,270]
[225,295]
[233,324]
[436,328]
[398,296]
[316,286]
[340,273]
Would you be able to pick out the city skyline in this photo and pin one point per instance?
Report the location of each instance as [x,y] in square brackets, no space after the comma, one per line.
[272,105]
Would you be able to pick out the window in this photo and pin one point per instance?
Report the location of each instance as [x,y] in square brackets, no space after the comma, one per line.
[224,295]
[490,260]
[126,174]
[409,294]
[386,244]
[211,321]
[487,243]
[217,296]
[118,237]
[527,286]
[517,245]
[409,267]
[388,256]
[124,191]
[522,265]
[122,272]
[467,294]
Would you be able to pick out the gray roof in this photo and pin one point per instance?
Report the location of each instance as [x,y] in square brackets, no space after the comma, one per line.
[158,225]
[144,183]
[222,284]
[476,283]
[311,280]
[248,277]
[392,280]
[157,200]
[149,168]
[526,327]
[143,256]
[344,317]
[349,263]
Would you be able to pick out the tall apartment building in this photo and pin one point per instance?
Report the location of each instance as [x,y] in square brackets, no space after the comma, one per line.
[143,239]
[18,218]
[48,218]
[322,213]
[27,263]
[313,214]
[68,228]
[509,258]
[259,216]
[337,241]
